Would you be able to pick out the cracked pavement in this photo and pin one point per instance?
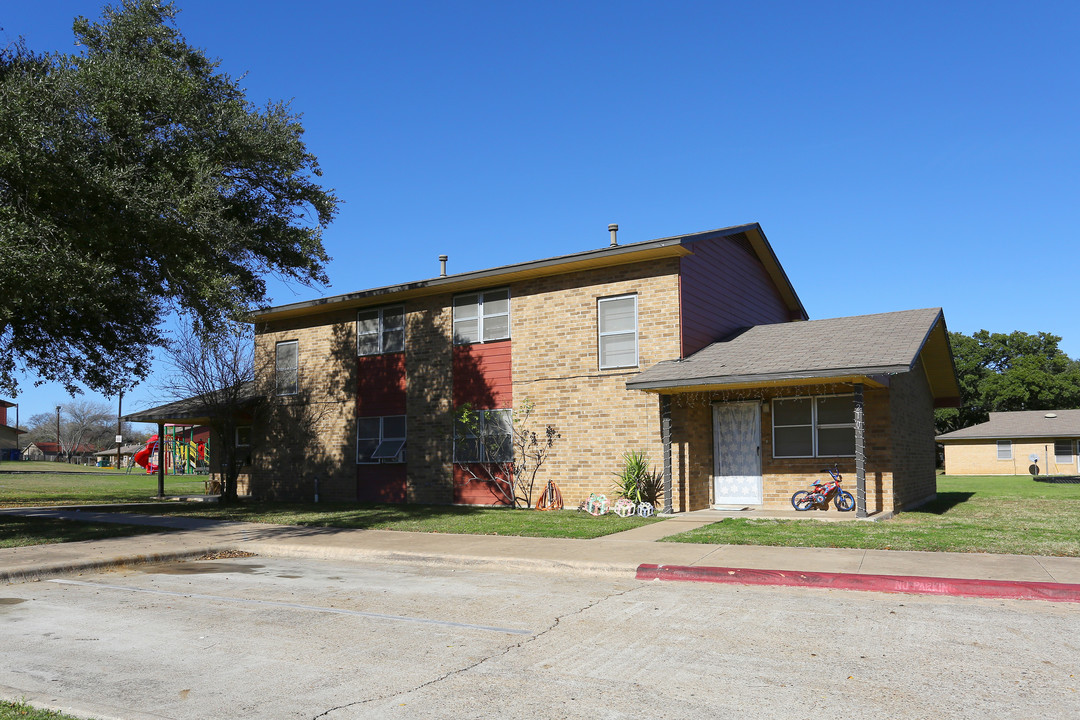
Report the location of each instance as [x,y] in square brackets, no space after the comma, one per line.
[266,637]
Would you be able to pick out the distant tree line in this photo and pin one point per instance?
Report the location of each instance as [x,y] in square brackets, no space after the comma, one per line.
[1003,372]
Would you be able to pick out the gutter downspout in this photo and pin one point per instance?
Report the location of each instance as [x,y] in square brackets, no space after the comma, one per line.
[665,435]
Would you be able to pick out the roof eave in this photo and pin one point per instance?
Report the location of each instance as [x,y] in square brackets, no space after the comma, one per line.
[864,374]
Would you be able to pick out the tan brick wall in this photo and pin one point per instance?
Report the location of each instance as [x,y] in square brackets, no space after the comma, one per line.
[979,457]
[556,365]
[312,434]
[428,393]
[911,407]
[692,448]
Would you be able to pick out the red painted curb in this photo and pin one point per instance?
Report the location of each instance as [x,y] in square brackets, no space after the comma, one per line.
[1010,589]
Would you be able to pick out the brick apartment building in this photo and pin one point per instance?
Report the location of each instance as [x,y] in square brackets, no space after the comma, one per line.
[695,349]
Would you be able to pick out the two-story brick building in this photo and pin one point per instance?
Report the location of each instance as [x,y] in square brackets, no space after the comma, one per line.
[609,345]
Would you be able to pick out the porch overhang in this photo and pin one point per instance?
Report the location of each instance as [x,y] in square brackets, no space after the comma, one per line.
[672,387]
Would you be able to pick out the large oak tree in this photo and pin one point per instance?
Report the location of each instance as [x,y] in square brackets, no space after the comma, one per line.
[136,179]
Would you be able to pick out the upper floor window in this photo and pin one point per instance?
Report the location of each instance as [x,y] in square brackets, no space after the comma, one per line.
[482,317]
[380,439]
[380,330]
[287,366]
[616,321]
[822,426]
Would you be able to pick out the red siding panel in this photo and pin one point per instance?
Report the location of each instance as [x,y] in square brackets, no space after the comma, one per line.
[381,483]
[468,491]
[381,385]
[724,287]
[483,376]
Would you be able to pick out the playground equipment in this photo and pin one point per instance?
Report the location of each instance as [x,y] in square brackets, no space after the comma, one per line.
[185,454]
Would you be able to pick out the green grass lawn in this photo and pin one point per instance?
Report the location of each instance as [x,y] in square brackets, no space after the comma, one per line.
[27,483]
[422,518]
[971,514]
[21,531]
[21,711]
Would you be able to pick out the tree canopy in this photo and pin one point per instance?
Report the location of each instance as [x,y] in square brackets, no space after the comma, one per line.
[136,180]
[1015,371]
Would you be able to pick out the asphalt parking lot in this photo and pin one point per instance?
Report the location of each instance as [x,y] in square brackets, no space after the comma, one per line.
[264,637]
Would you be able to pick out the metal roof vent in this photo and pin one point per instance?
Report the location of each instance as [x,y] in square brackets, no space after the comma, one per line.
[613,229]
[1050,415]
[442,265]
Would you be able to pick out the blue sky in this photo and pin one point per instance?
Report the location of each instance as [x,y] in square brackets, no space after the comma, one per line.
[897,155]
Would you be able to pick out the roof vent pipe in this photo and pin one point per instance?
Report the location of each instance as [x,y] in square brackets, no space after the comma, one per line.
[442,265]
[613,229]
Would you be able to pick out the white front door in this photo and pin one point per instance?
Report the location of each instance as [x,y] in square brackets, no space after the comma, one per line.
[737,453]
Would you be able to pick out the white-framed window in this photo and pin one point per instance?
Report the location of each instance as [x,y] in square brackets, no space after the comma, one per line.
[617,337]
[380,330]
[491,440]
[1063,452]
[287,367]
[819,426]
[1004,449]
[482,316]
[243,436]
[380,439]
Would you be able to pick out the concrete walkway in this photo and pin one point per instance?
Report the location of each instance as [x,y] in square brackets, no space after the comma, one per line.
[621,553]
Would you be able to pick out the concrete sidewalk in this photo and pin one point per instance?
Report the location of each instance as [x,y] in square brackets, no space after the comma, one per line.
[621,553]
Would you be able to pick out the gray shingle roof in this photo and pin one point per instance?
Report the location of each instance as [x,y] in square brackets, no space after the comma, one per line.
[1021,424]
[183,410]
[885,343]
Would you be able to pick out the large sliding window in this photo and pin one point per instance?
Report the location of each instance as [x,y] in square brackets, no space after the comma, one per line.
[482,317]
[616,322]
[380,330]
[489,441]
[287,368]
[822,426]
[380,439]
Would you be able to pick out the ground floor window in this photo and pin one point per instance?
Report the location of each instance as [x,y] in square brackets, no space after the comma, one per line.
[1063,452]
[1004,449]
[486,438]
[821,426]
[380,439]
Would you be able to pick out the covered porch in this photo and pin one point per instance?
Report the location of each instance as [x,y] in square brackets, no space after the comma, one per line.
[748,420]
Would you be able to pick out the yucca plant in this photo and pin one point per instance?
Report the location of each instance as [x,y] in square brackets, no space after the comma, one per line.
[633,475]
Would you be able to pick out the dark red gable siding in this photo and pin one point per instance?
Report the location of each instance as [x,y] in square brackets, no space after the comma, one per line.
[483,376]
[724,287]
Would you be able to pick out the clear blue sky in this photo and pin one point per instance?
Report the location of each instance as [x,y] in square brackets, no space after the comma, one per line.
[897,155]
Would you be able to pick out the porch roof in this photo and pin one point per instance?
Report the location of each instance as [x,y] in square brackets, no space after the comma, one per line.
[863,348]
[189,411]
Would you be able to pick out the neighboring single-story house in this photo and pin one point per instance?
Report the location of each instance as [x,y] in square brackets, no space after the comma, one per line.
[52,451]
[1016,443]
[9,435]
[695,349]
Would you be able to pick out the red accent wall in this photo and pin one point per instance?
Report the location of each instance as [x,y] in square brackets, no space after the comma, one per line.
[3,415]
[474,492]
[724,287]
[483,376]
[385,483]
[381,385]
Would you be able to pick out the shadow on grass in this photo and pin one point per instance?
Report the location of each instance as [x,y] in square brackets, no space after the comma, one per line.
[944,502]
